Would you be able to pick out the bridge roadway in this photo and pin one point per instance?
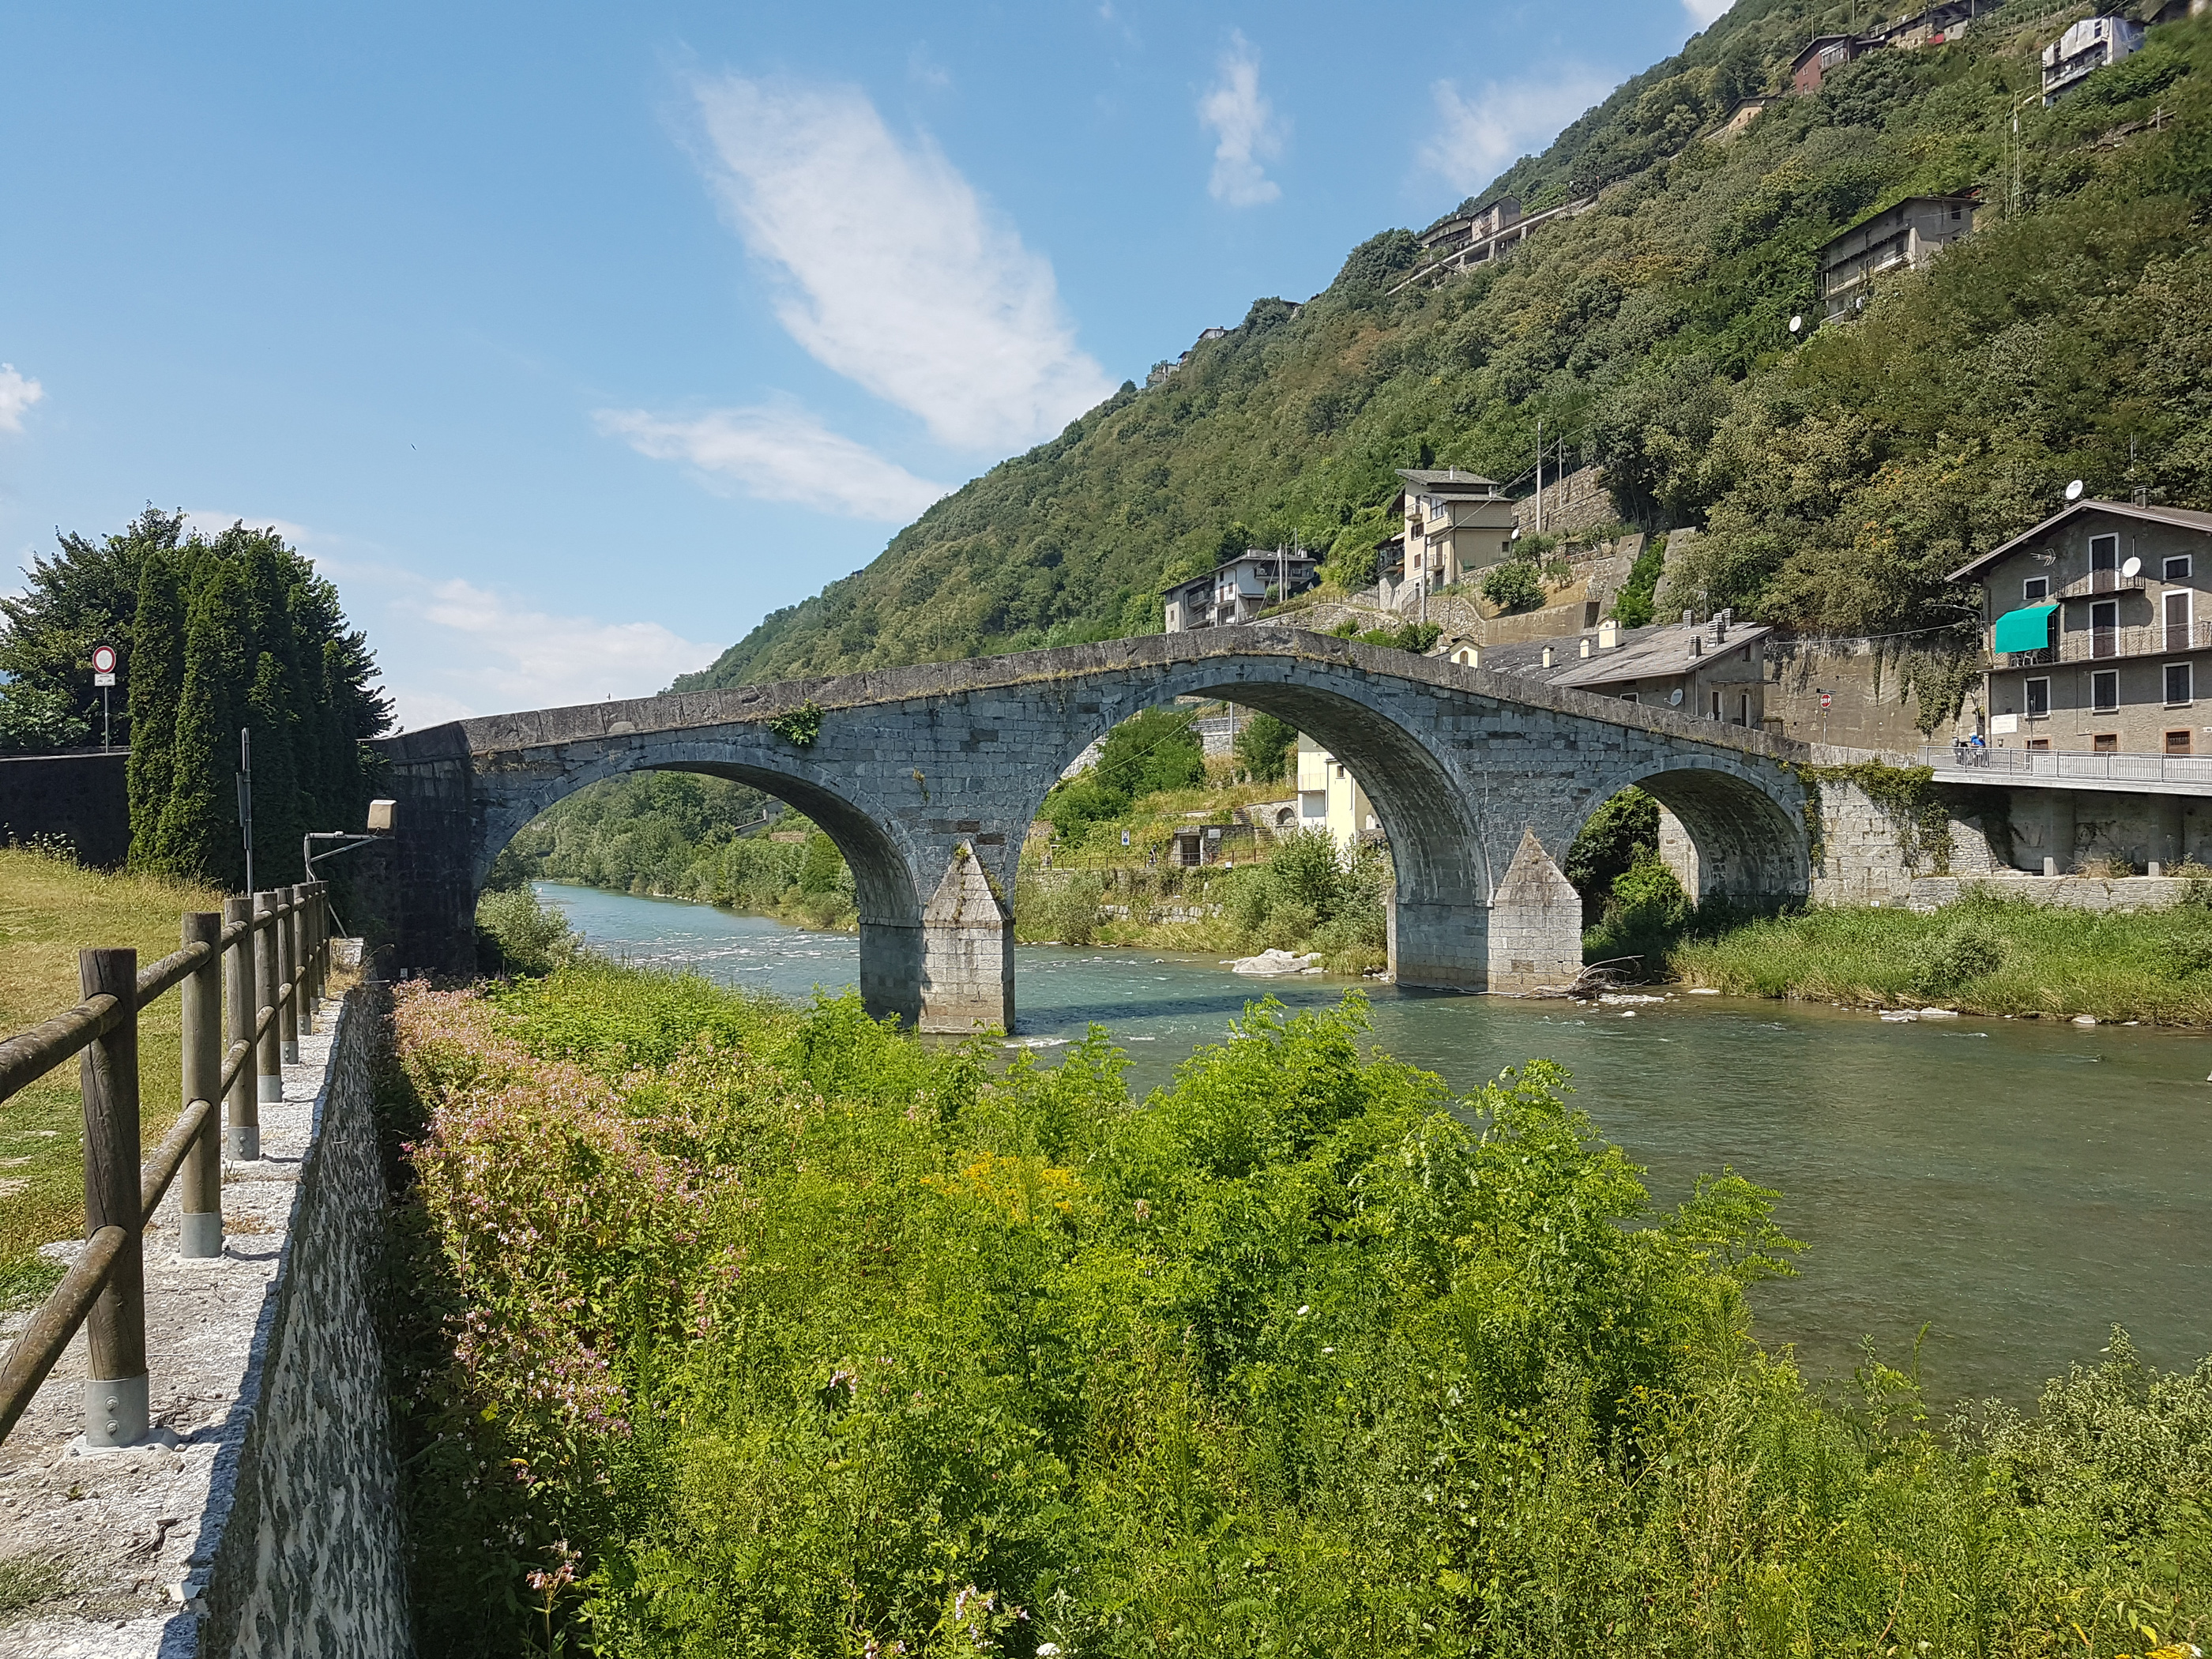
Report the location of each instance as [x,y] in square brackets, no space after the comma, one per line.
[927,777]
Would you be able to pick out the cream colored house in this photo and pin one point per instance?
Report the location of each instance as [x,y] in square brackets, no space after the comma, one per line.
[1330,798]
[1456,523]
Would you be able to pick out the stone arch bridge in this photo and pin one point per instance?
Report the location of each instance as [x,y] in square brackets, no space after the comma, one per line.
[927,778]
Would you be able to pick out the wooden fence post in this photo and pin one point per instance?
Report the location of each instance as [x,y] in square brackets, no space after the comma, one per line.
[268,1054]
[243,1137]
[200,998]
[116,1410]
[288,973]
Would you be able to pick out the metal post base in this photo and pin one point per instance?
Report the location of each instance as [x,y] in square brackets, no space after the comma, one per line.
[116,1412]
[269,1088]
[244,1142]
[199,1237]
[290,1052]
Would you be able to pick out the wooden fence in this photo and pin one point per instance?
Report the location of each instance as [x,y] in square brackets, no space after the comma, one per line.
[253,979]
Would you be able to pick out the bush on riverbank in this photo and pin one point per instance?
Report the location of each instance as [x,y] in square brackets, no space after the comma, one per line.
[1985,954]
[729,1327]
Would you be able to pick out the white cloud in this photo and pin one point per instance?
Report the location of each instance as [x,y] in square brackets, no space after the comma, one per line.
[1247,129]
[1703,12]
[17,394]
[1479,136]
[779,455]
[901,277]
[492,655]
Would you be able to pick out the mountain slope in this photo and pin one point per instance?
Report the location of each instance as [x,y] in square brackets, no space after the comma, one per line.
[1836,479]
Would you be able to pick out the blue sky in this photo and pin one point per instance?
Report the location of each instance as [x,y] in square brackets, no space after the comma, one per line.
[571,340]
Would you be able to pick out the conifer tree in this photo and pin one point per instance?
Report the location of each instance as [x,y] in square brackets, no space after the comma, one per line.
[199,822]
[156,684]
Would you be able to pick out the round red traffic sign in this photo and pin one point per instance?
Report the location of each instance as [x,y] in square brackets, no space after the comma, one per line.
[103,659]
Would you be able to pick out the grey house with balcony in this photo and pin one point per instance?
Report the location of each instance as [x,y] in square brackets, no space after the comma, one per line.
[1902,237]
[1238,590]
[2100,632]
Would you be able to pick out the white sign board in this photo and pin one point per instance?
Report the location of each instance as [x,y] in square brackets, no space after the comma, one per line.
[2003,725]
[103,679]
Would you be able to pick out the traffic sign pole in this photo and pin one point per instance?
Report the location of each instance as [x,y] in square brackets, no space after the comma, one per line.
[103,675]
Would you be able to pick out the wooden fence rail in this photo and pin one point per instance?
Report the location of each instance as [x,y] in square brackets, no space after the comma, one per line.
[252,980]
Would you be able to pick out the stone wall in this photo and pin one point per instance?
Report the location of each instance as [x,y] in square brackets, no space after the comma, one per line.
[2070,892]
[1869,705]
[1576,503]
[78,798]
[309,1555]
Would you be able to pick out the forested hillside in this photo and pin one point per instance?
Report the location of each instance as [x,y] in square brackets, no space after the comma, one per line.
[1837,476]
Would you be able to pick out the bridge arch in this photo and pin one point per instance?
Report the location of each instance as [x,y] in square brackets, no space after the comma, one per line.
[1747,843]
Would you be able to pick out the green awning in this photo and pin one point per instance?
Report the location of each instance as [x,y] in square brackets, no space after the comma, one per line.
[2027,629]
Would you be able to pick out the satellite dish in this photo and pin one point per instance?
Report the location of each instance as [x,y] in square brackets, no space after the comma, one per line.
[2074,490]
[1674,698]
[1796,323]
[2132,567]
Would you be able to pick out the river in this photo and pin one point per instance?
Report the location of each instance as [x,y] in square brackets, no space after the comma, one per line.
[2016,1187]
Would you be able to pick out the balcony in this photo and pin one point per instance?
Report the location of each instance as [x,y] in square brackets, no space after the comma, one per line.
[2110,644]
[2098,583]
[1956,761]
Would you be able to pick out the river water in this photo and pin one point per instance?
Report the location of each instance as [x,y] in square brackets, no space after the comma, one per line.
[2016,1187]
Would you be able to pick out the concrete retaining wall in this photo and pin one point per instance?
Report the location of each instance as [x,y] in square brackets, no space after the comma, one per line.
[82,799]
[2072,892]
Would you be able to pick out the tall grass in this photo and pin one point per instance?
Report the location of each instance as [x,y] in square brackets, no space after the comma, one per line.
[724,1327]
[1985,954]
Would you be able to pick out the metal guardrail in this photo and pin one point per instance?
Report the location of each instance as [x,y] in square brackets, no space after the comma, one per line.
[2070,764]
[255,974]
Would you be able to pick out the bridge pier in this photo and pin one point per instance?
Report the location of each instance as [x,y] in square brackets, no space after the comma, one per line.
[966,938]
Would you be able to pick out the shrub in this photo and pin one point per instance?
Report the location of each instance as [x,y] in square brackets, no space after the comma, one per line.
[1414,636]
[1513,586]
[1072,807]
[1953,957]
[516,934]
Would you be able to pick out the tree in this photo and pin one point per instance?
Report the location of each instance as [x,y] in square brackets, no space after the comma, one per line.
[37,719]
[196,829]
[155,687]
[1155,751]
[1263,747]
[1513,586]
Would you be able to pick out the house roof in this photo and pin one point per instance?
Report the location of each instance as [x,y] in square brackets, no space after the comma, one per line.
[1815,44]
[1663,651]
[1449,482]
[1250,555]
[2184,518]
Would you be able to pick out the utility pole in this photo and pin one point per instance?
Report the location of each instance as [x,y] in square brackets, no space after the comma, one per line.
[1539,475]
[246,798]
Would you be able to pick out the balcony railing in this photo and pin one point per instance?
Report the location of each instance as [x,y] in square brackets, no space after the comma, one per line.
[2110,644]
[2070,764]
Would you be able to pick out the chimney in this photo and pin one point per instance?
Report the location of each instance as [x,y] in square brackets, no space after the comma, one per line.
[1547,656]
[1688,617]
[1608,635]
[1586,647]
[1720,626]
[1696,645]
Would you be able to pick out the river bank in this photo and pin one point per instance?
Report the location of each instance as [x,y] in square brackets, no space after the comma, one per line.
[787,1324]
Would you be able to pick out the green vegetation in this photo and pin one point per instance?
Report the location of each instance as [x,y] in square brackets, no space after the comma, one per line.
[1635,606]
[212,636]
[1985,954]
[1836,477]
[50,907]
[1265,748]
[733,1327]
[1148,754]
[1513,586]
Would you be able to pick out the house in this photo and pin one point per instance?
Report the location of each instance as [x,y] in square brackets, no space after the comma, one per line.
[1330,798]
[1238,590]
[1466,240]
[2097,638]
[1934,27]
[1745,111]
[1161,369]
[2084,49]
[1826,52]
[1455,523]
[1904,236]
[1715,669]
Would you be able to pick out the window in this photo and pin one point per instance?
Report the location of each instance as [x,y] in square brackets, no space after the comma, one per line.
[2039,699]
[2177,568]
[2106,743]
[1717,705]
[2175,603]
[2104,552]
[2105,690]
[2035,590]
[2177,742]
[1630,696]
[2105,628]
[2180,683]
[2039,743]
[1743,710]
